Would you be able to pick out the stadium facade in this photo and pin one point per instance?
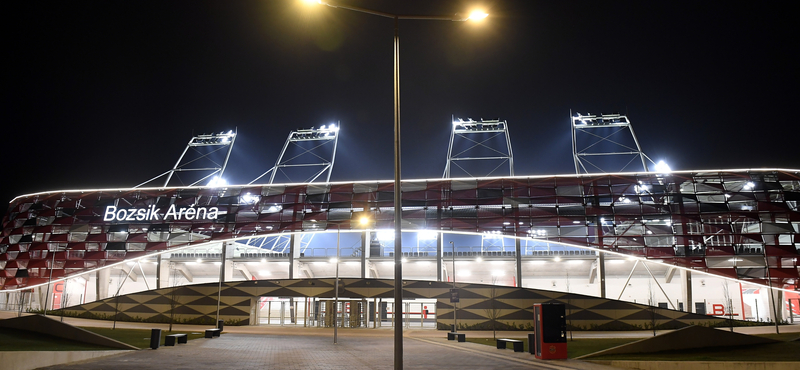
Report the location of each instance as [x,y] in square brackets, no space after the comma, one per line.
[623,246]
[721,243]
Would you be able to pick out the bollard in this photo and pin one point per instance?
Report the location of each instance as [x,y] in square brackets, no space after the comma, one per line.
[220,325]
[155,338]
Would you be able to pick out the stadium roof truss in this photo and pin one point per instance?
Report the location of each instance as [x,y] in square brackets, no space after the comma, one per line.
[599,142]
[207,159]
[477,142]
[739,224]
[314,151]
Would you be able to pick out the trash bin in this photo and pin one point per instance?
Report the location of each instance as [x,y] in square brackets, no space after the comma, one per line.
[220,325]
[155,338]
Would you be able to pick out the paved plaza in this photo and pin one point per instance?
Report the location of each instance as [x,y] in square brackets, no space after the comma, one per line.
[265,351]
[296,347]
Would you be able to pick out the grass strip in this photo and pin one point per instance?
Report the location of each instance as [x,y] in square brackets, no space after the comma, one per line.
[21,340]
[138,337]
[783,351]
[575,348]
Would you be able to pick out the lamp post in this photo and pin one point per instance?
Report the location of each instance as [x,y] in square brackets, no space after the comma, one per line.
[336,288]
[455,304]
[49,281]
[398,267]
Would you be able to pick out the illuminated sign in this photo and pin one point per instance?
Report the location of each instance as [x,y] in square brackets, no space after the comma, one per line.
[152,213]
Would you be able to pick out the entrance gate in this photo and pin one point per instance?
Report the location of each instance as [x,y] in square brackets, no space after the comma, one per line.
[350,313]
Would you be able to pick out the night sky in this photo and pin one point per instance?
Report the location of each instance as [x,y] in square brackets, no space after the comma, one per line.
[106,94]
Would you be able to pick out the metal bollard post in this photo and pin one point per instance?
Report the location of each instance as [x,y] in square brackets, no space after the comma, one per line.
[155,338]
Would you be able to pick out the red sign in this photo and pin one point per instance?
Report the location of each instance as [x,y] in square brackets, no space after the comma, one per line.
[58,292]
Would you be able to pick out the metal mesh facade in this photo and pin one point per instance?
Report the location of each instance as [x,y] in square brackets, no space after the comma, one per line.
[742,224]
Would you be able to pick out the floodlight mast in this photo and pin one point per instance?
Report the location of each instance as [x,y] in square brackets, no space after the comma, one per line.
[210,143]
[472,132]
[588,126]
[324,135]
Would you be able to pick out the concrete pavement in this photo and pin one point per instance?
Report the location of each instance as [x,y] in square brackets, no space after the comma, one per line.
[295,347]
[354,352]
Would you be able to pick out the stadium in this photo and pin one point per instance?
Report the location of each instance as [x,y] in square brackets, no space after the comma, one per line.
[624,242]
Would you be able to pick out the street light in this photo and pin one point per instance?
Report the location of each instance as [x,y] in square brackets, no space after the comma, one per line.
[455,304]
[50,281]
[398,210]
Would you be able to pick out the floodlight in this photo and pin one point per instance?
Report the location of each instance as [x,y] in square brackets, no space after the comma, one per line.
[662,167]
[217,181]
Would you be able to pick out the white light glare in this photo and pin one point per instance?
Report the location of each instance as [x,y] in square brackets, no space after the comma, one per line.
[749,185]
[464,273]
[248,198]
[217,181]
[426,235]
[498,273]
[385,235]
[641,188]
[264,272]
[332,260]
[662,167]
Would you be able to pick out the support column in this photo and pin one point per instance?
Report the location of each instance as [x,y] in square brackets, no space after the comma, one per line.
[775,306]
[686,288]
[103,277]
[518,259]
[601,273]
[162,273]
[294,254]
[364,255]
[439,255]
[41,294]
[227,261]
[601,258]
[226,267]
